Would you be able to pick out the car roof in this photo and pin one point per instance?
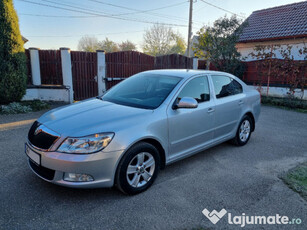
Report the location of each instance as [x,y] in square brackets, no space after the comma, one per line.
[184,73]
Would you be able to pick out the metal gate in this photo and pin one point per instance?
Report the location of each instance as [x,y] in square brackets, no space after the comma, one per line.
[121,65]
[84,74]
[50,67]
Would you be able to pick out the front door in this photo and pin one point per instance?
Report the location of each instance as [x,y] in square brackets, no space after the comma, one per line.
[191,129]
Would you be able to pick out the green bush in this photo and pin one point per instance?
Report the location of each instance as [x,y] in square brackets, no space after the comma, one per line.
[12,56]
[14,108]
[36,105]
[23,107]
[292,103]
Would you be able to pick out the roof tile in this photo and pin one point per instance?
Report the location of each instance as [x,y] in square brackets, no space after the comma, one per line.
[277,22]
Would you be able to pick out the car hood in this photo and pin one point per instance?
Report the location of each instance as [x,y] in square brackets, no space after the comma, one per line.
[91,116]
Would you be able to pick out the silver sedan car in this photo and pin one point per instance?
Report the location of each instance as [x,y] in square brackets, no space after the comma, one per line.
[150,120]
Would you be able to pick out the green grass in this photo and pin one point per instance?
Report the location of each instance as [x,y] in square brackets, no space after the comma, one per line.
[23,107]
[296,179]
[286,103]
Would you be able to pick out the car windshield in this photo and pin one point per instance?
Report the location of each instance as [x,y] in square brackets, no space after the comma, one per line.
[143,90]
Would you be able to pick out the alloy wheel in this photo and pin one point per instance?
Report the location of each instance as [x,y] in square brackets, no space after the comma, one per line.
[140,169]
[245,129]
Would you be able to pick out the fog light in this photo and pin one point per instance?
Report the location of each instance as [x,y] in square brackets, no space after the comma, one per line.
[77,177]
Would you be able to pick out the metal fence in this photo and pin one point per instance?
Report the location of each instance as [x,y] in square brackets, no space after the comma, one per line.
[257,73]
[173,61]
[84,74]
[50,67]
[121,65]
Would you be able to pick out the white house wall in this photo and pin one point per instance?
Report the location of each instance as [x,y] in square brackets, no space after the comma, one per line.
[47,94]
[281,92]
[246,48]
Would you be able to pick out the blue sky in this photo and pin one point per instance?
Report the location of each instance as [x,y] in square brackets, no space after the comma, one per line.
[44,31]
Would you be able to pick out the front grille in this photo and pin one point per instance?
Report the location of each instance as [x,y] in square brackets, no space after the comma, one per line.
[46,173]
[41,139]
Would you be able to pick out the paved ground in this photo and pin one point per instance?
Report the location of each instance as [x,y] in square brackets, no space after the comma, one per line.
[241,180]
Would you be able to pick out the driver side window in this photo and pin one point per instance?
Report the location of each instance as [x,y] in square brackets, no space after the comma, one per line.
[198,88]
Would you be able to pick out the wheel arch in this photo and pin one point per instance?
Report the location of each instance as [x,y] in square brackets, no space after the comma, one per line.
[147,140]
[159,147]
[150,140]
[250,114]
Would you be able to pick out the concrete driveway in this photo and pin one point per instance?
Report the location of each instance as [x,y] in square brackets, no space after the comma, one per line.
[238,179]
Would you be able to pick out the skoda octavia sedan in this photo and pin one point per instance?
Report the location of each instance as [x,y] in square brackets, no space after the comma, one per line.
[150,120]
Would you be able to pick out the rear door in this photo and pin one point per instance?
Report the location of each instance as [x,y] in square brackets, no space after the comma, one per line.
[190,129]
[229,100]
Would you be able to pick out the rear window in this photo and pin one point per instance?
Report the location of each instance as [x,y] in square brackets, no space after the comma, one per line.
[225,86]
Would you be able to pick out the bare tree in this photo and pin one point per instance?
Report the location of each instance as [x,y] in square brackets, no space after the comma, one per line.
[127,45]
[160,40]
[180,46]
[108,46]
[89,44]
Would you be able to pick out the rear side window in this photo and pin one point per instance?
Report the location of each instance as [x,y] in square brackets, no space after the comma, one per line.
[197,88]
[225,86]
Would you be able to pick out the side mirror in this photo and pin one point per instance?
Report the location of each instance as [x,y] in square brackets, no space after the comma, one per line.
[186,103]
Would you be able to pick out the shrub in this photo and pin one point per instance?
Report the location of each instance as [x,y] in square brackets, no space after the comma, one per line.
[12,56]
[14,108]
[288,102]
[23,107]
[36,105]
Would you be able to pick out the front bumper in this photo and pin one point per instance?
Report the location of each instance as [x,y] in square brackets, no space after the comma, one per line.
[101,166]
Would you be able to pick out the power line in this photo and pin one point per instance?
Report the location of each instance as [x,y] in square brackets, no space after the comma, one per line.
[57,16]
[139,11]
[121,14]
[146,11]
[81,35]
[86,11]
[220,8]
[76,7]
[64,16]
[74,16]
[198,10]
[60,16]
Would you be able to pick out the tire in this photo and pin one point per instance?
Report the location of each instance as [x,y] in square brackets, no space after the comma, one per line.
[143,160]
[244,131]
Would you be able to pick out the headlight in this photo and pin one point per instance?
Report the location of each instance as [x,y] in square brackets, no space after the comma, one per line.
[88,144]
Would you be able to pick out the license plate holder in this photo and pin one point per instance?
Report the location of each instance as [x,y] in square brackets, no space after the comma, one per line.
[34,156]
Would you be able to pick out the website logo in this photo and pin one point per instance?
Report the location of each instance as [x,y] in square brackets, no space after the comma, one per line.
[243,219]
[214,216]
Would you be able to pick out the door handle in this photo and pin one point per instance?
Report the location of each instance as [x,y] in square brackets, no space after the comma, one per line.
[241,102]
[210,110]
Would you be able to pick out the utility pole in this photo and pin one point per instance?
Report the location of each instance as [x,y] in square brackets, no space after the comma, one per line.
[190,28]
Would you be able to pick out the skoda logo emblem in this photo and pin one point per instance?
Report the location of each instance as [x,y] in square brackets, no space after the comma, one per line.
[37,130]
